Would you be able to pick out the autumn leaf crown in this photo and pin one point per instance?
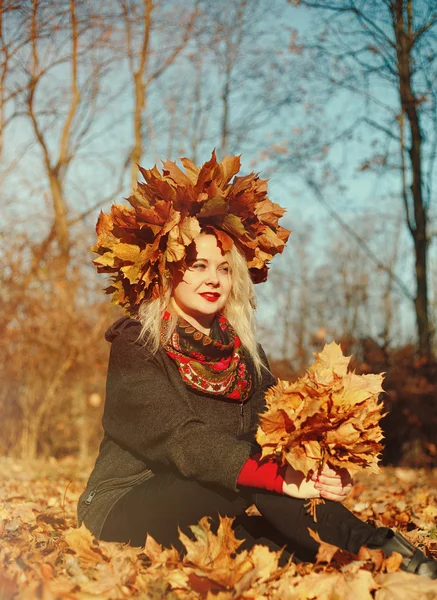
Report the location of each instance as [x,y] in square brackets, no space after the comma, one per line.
[138,244]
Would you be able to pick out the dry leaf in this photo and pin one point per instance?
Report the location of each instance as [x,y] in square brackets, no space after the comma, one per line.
[83,543]
[405,586]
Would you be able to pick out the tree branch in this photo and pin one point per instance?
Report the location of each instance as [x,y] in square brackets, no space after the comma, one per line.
[319,196]
[64,156]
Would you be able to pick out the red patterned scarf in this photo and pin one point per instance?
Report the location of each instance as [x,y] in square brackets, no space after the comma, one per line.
[212,366]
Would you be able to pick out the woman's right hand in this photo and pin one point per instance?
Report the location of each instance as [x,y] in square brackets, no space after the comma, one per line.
[296,486]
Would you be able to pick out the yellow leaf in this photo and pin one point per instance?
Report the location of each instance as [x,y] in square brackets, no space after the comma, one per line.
[313,450]
[269,212]
[229,167]
[335,417]
[129,252]
[213,207]
[346,434]
[331,358]
[192,171]
[132,272]
[83,543]
[175,250]
[404,586]
[174,172]
[106,259]
[234,225]
[326,551]
[189,229]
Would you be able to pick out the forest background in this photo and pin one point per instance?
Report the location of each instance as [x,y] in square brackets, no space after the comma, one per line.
[335,101]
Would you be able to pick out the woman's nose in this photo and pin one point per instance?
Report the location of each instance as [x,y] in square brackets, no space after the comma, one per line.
[212,277]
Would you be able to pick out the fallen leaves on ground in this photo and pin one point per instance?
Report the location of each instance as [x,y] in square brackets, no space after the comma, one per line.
[44,555]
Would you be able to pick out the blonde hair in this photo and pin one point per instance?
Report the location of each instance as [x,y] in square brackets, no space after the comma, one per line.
[239,310]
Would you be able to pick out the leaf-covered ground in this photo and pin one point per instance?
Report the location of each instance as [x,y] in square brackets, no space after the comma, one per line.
[43,555]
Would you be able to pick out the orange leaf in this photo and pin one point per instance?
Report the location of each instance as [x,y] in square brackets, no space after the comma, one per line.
[83,543]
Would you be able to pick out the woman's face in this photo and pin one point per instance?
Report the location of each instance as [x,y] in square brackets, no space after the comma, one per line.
[203,289]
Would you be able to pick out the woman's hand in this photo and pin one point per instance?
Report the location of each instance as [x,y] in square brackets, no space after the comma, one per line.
[296,486]
[327,484]
[333,485]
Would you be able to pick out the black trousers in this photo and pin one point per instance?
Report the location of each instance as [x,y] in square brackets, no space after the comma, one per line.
[165,502]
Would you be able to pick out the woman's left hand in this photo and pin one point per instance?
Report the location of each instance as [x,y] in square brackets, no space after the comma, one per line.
[333,485]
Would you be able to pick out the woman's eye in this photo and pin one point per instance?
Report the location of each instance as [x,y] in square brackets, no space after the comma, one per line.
[224,269]
[198,266]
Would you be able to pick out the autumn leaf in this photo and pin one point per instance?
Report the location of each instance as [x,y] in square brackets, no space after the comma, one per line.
[268,212]
[213,207]
[229,167]
[175,251]
[192,171]
[176,174]
[82,542]
[404,586]
[189,228]
[326,552]
[330,362]
[216,553]
[224,240]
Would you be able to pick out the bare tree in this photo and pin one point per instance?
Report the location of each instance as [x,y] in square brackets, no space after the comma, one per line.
[371,45]
[10,43]
[53,61]
[55,168]
[143,73]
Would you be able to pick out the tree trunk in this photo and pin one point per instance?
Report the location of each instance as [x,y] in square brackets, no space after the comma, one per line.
[137,149]
[139,87]
[62,232]
[418,229]
[29,437]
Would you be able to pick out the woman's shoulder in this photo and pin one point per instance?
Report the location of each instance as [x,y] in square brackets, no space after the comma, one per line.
[124,329]
[127,345]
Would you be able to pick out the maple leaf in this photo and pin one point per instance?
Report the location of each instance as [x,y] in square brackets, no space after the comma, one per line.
[176,174]
[330,362]
[175,250]
[224,240]
[404,586]
[216,553]
[83,543]
[192,171]
[189,229]
[229,167]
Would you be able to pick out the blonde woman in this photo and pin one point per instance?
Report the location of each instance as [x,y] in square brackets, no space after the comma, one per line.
[186,377]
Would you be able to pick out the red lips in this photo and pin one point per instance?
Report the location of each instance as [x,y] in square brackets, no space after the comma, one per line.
[211,296]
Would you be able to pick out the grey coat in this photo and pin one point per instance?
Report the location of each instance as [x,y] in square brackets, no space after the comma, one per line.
[153,422]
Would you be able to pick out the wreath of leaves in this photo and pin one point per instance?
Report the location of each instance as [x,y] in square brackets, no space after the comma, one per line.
[137,244]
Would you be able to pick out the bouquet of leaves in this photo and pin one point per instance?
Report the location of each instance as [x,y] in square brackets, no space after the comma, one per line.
[330,416]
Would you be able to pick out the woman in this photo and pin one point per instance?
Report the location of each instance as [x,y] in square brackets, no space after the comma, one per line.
[186,379]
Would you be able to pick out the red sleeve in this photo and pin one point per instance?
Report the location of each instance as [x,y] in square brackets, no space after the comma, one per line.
[267,475]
